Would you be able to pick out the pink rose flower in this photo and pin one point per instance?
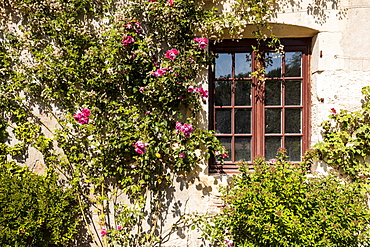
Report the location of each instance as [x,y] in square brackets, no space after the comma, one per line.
[142,89]
[126,40]
[202,42]
[333,111]
[171,54]
[272,161]
[182,155]
[184,128]
[229,242]
[140,147]
[119,227]
[170,3]
[103,232]
[159,72]
[203,92]
[86,112]
[190,89]
[223,155]
[147,112]
[83,116]
[128,25]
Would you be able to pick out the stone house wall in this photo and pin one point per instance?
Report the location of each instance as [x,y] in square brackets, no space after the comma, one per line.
[339,68]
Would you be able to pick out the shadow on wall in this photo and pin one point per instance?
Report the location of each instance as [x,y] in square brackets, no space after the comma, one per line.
[318,7]
[315,8]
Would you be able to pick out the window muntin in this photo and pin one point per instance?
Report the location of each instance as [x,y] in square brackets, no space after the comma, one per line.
[253,119]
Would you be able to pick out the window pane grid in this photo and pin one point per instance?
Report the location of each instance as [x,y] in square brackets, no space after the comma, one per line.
[285,101]
[239,125]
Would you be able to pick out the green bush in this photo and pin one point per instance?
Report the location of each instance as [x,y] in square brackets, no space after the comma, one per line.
[279,205]
[34,209]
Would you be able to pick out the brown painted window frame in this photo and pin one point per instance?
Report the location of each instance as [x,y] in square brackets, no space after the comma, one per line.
[258,106]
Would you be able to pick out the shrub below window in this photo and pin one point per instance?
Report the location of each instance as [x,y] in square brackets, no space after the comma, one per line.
[34,209]
[279,205]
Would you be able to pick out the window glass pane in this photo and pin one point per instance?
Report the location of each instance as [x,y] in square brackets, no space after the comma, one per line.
[272,144]
[243,65]
[243,91]
[223,93]
[273,121]
[223,121]
[293,64]
[292,120]
[293,92]
[293,145]
[243,121]
[273,64]
[226,142]
[273,92]
[243,148]
[223,65]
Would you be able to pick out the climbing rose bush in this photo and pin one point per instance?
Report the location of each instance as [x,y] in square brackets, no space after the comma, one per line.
[130,66]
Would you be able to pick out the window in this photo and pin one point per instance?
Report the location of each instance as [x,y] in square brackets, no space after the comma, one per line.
[253,118]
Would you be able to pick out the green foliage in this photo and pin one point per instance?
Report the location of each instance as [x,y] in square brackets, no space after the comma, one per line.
[281,204]
[35,210]
[71,55]
[346,138]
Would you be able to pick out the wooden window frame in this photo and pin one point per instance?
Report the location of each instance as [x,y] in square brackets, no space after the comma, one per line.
[257,105]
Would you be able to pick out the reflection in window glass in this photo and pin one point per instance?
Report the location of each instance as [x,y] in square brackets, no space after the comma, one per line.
[223,65]
[223,121]
[273,92]
[273,64]
[243,91]
[243,65]
[223,93]
[293,121]
[293,64]
[293,145]
[243,148]
[243,121]
[273,121]
[226,142]
[293,92]
[272,144]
